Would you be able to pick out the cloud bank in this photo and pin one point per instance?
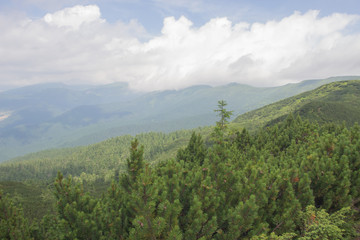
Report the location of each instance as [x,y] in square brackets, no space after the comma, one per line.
[74,17]
[75,45]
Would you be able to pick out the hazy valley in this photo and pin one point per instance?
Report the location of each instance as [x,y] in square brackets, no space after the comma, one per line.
[56,115]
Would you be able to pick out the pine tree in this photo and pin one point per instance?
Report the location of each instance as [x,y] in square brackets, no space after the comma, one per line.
[318,224]
[195,151]
[221,125]
[135,163]
[146,224]
[243,140]
[200,224]
[13,225]
[111,213]
[129,188]
[75,210]
[241,219]
[353,153]
[169,206]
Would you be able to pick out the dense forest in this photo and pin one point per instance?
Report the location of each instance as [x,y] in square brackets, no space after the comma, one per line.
[94,162]
[293,180]
[297,176]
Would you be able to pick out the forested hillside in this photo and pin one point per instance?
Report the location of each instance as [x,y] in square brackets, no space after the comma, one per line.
[335,102]
[295,180]
[29,179]
[298,177]
[93,162]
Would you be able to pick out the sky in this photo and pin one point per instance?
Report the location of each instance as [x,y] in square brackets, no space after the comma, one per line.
[173,44]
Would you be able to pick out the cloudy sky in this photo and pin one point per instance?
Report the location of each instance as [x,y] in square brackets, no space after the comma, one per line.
[172,44]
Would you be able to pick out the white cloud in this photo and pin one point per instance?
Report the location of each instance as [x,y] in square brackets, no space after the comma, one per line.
[74,17]
[298,47]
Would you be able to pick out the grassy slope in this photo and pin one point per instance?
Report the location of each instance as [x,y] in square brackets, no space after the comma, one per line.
[334,102]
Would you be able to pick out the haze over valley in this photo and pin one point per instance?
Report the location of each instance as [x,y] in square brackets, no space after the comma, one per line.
[56,115]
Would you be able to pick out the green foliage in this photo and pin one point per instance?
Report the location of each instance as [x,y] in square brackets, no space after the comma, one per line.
[195,151]
[293,180]
[223,114]
[273,236]
[334,102]
[13,225]
[35,199]
[75,209]
[221,124]
[318,224]
[94,162]
[135,162]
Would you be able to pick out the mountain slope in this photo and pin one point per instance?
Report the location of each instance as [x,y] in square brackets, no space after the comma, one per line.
[96,161]
[286,166]
[334,102]
[101,162]
[56,115]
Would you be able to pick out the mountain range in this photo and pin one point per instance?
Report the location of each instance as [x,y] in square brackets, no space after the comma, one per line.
[56,115]
[29,178]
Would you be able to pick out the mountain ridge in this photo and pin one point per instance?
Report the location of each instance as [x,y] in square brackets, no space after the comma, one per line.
[343,95]
[65,116]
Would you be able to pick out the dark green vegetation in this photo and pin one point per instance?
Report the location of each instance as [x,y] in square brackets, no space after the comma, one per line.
[35,199]
[30,178]
[94,162]
[55,115]
[294,179]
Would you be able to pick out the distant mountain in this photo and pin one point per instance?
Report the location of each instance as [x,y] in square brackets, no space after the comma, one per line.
[47,116]
[334,102]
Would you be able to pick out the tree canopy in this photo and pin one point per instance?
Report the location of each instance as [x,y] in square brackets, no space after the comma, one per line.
[293,180]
